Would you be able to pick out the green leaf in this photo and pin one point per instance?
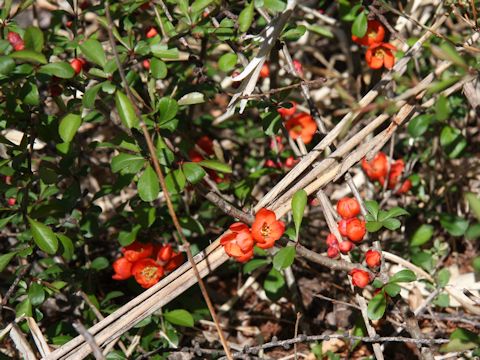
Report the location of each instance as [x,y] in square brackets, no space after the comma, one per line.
[43,236]
[29,93]
[475,264]
[6,65]
[192,98]
[127,163]
[419,125]
[443,277]
[68,127]
[422,235]
[90,95]
[60,69]
[179,317]
[392,224]
[403,276]
[372,207]
[442,300]
[294,34]
[199,5]
[423,259]
[373,226]
[175,181]
[299,201]
[473,232]
[474,202]
[452,141]
[193,172]
[376,307]
[99,263]
[24,308]
[359,26]
[246,17]
[254,264]
[125,110]
[168,109]
[274,284]
[442,109]
[461,340]
[93,51]
[5,221]
[284,258]
[125,238]
[29,56]
[392,213]
[448,52]
[158,68]
[392,289]
[227,62]
[321,30]
[33,39]
[36,294]
[68,248]
[455,225]
[216,165]
[148,186]
[5,260]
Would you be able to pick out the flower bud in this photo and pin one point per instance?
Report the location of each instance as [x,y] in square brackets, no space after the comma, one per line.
[373,258]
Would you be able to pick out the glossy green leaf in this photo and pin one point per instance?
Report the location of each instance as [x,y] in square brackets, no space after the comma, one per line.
[125,110]
[99,263]
[192,98]
[294,34]
[175,181]
[392,224]
[68,247]
[455,225]
[299,201]
[372,207]
[254,264]
[127,163]
[461,340]
[148,186]
[199,5]
[284,258]
[5,260]
[168,109]
[36,294]
[419,125]
[274,284]
[6,65]
[246,17]
[227,62]
[93,51]
[179,317]
[422,235]
[373,226]
[452,141]
[29,56]
[376,306]
[392,289]
[43,236]
[216,165]
[158,68]
[193,172]
[33,39]
[403,276]
[68,127]
[443,277]
[60,69]
[359,26]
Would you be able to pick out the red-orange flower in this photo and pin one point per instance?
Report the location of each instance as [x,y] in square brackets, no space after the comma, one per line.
[239,242]
[137,251]
[379,55]
[285,112]
[406,186]
[147,272]
[360,278]
[356,230]
[301,125]
[165,253]
[373,258]
[374,35]
[396,170]
[175,261]
[15,40]
[265,71]
[152,32]
[376,168]
[266,229]
[122,268]
[348,208]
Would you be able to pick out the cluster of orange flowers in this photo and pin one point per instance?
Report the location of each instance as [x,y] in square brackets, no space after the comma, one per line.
[265,230]
[377,170]
[378,53]
[299,125]
[146,262]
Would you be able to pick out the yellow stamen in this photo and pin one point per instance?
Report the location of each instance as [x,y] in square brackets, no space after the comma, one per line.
[149,272]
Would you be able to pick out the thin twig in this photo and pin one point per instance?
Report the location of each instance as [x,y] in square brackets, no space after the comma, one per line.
[97,353]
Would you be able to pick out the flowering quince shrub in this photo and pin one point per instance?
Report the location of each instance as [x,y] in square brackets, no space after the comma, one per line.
[136,133]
